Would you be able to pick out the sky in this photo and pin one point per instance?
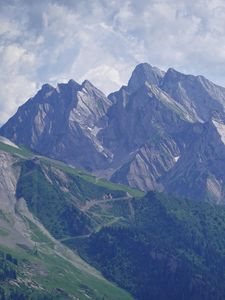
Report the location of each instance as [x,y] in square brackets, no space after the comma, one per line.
[50,41]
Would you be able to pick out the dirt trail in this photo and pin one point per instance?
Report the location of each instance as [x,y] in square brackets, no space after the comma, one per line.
[91,203]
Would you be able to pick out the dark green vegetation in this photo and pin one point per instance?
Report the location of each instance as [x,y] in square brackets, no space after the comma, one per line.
[171,249]
[26,154]
[55,194]
[22,151]
[156,247]
[53,207]
[57,198]
[40,276]
[7,266]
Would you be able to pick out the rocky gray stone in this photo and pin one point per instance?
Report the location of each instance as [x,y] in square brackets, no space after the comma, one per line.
[163,131]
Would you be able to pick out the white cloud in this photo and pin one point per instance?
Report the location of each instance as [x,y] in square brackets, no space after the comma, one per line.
[104,77]
[16,85]
[101,40]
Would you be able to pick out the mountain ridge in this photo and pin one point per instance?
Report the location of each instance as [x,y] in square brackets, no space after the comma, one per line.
[78,124]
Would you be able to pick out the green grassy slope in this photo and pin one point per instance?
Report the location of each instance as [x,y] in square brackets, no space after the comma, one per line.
[21,152]
[156,247]
[170,249]
[58,200]
[47,275]
[27,155]
[54,194]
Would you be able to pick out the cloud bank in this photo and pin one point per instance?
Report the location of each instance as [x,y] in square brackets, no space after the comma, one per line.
[102,41]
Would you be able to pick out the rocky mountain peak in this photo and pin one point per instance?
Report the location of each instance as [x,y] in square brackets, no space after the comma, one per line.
[45,91]
[73,84]
[174,75]
[200,97]
[92,94]
[142,73]
[87,85]
[136,135]
[46,87]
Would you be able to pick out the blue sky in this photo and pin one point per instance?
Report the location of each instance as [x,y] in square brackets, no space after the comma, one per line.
[102,41]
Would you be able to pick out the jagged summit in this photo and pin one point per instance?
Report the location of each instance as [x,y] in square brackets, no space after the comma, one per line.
[87,84]
[57,119]
[73,84]
[46,87]
[144,72]
[200,97]
[143,135]
[174,75]
[171,74]
[92,90]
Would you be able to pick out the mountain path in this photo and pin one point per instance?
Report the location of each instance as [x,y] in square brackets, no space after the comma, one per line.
[91,203]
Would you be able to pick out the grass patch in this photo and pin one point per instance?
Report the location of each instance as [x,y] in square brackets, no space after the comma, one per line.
[58,277]
[92,179]
[22,151]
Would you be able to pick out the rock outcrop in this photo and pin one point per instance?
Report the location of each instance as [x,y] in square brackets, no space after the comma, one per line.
[164,131]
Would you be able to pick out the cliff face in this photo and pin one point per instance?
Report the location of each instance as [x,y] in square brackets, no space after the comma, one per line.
[63,122]
[10,221]
[147,134]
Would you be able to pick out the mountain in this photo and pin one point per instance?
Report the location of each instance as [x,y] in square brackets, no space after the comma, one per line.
[200,97]
[144,72]
[41,204]
[62,122]
[153,246]
[167,249]
[164,131]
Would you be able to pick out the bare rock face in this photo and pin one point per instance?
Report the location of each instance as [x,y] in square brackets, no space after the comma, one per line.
[8,180]
[199,172]
[142,73]
[164,131]
[63,123]
[10,221]
[149,163]
[200,97]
